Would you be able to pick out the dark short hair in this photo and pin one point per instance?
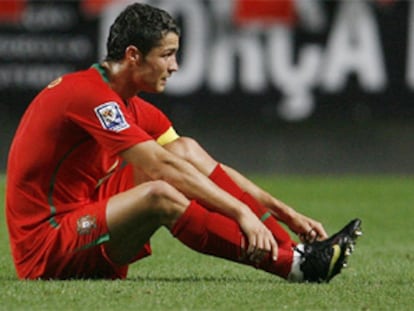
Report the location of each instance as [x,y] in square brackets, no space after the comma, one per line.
[140,25]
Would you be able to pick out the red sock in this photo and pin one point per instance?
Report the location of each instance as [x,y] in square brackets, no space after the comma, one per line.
[214,234]
[224,181]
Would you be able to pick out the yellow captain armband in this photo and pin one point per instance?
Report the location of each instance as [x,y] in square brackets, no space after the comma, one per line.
[169,136]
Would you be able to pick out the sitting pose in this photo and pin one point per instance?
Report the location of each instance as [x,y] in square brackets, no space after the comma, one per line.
[94,171]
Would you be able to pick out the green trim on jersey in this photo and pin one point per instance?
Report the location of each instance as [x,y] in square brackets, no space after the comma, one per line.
[101,71]
[102,239]
[52,219]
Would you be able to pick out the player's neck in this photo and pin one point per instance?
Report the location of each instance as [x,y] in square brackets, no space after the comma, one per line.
[119,79]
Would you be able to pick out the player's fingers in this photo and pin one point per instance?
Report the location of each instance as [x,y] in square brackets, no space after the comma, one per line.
[252,245]
[274,249]
[309,236]
[258,252]
[312,235]
[321,233]
[255,254]
[270,246]
[268,241]
[267,245]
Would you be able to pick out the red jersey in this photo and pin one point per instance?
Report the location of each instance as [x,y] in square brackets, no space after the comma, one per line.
[65,147]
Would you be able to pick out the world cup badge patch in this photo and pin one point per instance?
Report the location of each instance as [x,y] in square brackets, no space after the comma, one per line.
[111,117]
[86,224]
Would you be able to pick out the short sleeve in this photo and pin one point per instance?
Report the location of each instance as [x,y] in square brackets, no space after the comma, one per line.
[153,121]
[106,118]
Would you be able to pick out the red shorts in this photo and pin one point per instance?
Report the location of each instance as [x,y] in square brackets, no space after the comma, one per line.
[75,248]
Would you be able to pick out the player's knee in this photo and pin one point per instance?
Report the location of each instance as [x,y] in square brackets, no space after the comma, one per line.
[190,150]
[187,148]
[166,201]
[158,192]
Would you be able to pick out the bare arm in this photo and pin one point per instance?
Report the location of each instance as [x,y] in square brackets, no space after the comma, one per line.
[160,164]
[187,148]
[297,222]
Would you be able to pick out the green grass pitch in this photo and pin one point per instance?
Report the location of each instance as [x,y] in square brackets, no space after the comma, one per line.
[379,277]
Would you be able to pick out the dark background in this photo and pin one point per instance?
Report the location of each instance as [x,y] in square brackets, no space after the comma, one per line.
[350,131]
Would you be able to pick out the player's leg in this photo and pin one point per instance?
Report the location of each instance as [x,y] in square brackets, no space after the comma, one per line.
[134,214]
[328,256]
[215,234]
[190,150]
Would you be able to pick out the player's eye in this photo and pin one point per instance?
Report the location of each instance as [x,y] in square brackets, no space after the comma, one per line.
[169,53]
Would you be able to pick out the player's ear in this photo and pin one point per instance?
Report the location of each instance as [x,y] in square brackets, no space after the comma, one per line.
[132,53]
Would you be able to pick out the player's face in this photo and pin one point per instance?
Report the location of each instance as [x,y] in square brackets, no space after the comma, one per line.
[158,65]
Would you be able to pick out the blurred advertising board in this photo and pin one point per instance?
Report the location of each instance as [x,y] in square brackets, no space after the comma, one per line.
[288,60]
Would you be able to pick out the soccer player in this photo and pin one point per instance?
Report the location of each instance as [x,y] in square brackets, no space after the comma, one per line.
[94,171]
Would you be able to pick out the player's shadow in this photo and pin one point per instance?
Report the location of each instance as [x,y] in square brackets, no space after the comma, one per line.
[199,279]
[152,280]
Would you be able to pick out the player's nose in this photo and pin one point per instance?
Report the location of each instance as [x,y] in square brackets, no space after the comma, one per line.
[173,66]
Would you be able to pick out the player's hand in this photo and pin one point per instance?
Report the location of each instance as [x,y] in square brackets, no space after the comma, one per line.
[260,240]
[307,229]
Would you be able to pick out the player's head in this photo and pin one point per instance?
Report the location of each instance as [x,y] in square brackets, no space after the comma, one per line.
[145,40]
[140,25]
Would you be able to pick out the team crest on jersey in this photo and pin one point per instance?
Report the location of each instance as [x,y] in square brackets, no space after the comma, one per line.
[86,224]
[111,117]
